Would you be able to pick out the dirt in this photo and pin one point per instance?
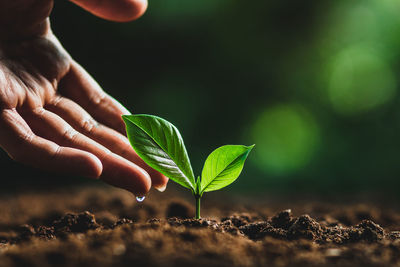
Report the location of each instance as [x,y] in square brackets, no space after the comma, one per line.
[107,227]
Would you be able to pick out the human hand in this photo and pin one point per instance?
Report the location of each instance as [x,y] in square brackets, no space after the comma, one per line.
[53,114]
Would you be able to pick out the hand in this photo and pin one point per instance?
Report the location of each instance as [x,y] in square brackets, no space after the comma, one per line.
[53,115]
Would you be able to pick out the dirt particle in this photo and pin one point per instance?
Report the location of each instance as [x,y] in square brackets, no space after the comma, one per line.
[305,227]
[45,232]
[106,219]
[253,230]
[394,235]
[76,223]
[283,219]
[228,227]
[122,222]
[154,221]
[237,220]
[366,230]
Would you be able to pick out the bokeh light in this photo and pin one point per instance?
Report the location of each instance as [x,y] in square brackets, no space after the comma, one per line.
[360,80]
[286,137]
[211,66]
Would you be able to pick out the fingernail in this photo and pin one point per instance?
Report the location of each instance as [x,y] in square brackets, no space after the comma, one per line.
[161,188]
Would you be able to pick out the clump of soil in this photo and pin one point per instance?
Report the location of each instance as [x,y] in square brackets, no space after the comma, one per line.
[107,228]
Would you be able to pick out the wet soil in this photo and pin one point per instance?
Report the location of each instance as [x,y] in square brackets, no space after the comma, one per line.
[107,227]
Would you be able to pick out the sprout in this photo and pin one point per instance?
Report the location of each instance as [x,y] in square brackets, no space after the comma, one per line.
[159,143]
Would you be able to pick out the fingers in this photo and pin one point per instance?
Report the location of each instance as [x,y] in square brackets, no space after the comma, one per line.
[116,10]
[80,120]
[18,140]
[79,86]
[117,171]
[21,19]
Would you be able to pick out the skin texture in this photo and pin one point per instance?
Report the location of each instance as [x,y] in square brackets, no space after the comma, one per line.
[53,114]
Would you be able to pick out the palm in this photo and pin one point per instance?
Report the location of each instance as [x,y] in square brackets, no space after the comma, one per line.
[32,70]
[54,115]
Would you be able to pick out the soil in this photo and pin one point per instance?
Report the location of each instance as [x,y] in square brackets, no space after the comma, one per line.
[107,227]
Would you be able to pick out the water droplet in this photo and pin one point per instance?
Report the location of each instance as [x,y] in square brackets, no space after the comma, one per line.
[140,199]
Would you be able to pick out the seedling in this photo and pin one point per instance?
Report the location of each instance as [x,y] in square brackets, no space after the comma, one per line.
[159,143]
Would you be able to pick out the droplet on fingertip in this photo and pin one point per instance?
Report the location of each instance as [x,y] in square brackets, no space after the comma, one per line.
[140,199]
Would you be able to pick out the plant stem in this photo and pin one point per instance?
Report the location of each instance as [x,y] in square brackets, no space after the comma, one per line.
[197,207]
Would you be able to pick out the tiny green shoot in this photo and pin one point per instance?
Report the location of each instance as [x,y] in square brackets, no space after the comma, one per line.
[159,143]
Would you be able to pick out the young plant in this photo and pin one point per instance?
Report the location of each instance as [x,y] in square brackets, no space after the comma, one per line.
[159,143]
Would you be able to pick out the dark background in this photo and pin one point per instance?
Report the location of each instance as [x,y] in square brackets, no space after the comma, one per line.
[314,84]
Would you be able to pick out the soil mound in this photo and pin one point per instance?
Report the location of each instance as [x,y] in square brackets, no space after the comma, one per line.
[108,229]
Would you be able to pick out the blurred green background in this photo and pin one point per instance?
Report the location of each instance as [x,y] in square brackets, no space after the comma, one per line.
[314,84]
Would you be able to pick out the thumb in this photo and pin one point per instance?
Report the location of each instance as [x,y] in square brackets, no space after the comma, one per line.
[116,10]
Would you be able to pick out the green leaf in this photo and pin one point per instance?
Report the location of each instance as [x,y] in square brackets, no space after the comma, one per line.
[159,143]
[223,166]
